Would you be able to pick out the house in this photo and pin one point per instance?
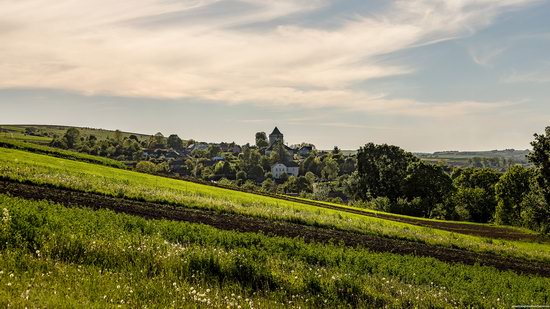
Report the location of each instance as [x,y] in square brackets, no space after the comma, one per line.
[291,169]
[306,150]
[160,153]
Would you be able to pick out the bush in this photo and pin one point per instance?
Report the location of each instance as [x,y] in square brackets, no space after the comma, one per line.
[146,167]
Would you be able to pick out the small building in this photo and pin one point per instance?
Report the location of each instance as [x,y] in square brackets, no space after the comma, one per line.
[306,150]
[291,169]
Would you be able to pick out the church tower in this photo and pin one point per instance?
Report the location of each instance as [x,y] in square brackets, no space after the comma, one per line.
[275,136]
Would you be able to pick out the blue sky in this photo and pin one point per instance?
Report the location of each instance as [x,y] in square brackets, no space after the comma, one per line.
[425,75]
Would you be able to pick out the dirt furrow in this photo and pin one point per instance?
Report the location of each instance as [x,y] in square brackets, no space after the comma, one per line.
[242,223]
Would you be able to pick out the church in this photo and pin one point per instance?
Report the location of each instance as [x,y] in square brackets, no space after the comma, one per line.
[275,138]
[280,168]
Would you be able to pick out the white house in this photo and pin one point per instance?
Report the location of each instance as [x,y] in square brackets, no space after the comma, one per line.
[290,169]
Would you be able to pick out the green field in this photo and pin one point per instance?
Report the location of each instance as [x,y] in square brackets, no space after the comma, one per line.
[29,167]
[59,257]
[55,152]
[19,131]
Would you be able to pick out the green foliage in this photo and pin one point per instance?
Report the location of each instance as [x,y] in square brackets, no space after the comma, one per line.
[382,170]
[58,257]
[66,154]
[261,140]
[157,141]
[224,169]
[279,154]
[146,167]
[174,142]
[241,175]
[540,157]
[476,197]
[213,151]
[330,169]
[510,190]
[71,137]
[429,185]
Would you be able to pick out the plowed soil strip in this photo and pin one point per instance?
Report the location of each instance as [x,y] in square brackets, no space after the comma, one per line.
[456,227]
[276,228]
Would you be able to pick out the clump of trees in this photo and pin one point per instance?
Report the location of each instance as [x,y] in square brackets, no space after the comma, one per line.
[116,147]
[391,179]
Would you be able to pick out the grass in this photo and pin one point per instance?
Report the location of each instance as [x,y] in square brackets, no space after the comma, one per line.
[16,136]
[55,152]
[60,131]
[40,169]
[53,256]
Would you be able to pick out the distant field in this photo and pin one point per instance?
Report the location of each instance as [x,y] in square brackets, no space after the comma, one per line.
[54,256]
[55,152]
[35,168]
[60,131]
[25,138]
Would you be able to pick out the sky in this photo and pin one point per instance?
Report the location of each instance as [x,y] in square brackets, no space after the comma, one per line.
[425,75]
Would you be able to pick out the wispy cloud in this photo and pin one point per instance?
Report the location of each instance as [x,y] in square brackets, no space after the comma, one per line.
[195,49]
[541,76]
[486,55]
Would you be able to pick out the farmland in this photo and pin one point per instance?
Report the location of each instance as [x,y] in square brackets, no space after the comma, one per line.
[39,169]
[215,247]
[51,254]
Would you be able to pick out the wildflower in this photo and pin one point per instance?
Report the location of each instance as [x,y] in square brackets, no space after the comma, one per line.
[5,216]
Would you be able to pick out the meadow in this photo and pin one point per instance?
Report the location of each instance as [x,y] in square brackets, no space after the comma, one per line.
[56,256]
[40,169]
[60,153]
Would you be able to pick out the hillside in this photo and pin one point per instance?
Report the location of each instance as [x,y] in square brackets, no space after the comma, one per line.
[260,251]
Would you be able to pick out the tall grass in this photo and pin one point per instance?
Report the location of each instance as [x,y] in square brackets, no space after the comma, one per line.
[30,167]
[54,256]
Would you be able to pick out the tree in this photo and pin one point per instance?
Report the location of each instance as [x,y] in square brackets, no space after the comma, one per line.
[330,170]
[71,137]
[157,141]
[213,151]
[241,175]
[511,189]
[428,182]
[224,169]
[382,170]
[174,142]
[118,136]
[279,154]
[261,140]
[256,173]
[471,204]
[311,164]
[540,157]
[484,180]
[146,167]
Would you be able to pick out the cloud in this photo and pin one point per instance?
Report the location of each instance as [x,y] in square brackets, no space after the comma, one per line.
[198,49]
[541,76]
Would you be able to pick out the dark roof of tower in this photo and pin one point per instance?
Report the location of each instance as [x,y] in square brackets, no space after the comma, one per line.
[276,132]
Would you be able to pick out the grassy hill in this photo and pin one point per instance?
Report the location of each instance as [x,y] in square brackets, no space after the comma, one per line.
[259,251]
[42,134]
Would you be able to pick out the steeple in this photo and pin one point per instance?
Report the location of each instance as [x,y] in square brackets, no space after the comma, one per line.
[276,136]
